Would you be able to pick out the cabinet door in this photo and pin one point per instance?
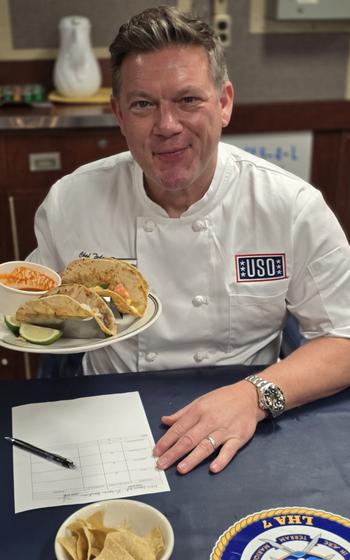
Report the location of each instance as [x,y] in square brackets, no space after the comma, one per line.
[23,206]
[27,188]
[6,244]
[18,365]
[343,192]
[13,365]
[35,159]
[330,172]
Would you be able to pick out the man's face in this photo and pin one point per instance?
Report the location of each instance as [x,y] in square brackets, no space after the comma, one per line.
[171,115]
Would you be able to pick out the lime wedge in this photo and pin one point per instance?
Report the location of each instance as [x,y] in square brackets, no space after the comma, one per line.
[12,323]
[39,335]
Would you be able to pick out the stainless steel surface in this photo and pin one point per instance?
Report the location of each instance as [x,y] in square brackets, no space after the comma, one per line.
[68,116]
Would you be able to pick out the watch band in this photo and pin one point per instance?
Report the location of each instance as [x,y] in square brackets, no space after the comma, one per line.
[259,382]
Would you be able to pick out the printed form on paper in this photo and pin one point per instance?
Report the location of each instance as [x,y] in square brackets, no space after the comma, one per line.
[107,437]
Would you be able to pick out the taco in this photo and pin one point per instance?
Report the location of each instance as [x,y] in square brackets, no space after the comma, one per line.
[113,278]
[69,301]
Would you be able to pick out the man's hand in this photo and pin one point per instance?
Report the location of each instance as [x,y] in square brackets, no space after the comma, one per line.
[228,415]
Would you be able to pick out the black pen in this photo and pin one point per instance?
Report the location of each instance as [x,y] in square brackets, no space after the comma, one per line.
[41,452]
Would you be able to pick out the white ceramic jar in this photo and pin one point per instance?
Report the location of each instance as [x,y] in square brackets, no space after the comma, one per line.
[76,71]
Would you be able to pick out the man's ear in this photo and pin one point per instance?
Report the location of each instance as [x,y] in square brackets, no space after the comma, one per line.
[118,113]
[226,100]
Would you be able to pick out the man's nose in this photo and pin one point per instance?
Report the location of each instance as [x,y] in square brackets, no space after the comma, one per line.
[167,121]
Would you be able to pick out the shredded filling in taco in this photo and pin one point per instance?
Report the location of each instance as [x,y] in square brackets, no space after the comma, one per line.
[69,301]
[113,278]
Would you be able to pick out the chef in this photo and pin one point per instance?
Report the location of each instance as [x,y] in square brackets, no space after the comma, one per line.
[228,242]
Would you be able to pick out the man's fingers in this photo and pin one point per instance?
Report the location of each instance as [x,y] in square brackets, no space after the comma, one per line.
[194,446]
[226,454]
[204,449]
[180,446]
[180,429]
[187,434]
[198,429]
[170,419]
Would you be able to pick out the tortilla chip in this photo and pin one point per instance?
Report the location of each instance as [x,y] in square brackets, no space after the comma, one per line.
[112,550]
[82,544]
[138,547]
[98,531]
[69,544]
[95,522]
[90,538]
[156,540]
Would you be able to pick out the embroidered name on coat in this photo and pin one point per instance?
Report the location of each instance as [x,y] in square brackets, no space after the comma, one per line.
[260,267]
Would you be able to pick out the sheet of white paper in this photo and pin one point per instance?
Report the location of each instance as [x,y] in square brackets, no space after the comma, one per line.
[109,439]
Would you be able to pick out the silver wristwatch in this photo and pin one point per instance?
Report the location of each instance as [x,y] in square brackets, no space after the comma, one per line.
[271,398]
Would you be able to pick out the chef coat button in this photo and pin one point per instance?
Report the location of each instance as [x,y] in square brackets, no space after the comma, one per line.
[199,225]
[200,356]
[197,301]
[149,226]
[151,356]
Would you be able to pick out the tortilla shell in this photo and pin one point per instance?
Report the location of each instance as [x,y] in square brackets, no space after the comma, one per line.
[94,273]
[68,302]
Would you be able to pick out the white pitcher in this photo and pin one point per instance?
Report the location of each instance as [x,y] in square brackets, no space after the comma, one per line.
[76,71]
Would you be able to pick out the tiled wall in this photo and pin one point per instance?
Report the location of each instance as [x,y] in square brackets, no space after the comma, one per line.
[268,61]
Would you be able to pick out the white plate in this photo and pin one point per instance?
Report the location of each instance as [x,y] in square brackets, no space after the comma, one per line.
[128,326]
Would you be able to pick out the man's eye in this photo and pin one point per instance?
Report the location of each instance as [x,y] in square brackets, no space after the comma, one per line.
[141,104]
[190,100]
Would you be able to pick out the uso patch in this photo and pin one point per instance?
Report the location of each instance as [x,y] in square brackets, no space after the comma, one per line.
[286,534]
[260,267]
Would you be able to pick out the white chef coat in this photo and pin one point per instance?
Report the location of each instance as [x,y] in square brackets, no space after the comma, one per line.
[259,242]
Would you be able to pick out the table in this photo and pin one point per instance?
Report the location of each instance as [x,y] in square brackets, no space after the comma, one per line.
[301,459]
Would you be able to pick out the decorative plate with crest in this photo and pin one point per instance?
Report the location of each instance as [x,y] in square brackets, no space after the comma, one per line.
[286,533]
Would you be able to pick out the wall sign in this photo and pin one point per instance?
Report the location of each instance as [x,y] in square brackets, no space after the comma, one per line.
[290,150]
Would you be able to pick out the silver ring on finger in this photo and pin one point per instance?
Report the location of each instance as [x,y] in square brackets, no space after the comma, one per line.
[212,442]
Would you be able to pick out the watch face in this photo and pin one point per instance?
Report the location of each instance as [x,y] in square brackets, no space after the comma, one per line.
[274,400]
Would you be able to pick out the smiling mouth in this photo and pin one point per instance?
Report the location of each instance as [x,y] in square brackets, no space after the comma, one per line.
[170,153]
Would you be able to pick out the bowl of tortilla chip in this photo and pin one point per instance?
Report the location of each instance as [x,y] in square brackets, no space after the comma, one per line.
[115,529]
[21,281]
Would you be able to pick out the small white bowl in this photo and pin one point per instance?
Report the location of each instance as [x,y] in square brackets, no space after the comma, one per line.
[139,517]
[11,298]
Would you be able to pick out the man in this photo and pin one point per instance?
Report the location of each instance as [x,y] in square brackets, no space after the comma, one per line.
[229,242]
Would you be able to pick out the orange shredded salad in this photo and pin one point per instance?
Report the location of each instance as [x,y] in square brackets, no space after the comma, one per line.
[24,278]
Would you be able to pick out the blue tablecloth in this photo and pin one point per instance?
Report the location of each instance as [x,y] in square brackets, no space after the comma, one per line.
[300,459]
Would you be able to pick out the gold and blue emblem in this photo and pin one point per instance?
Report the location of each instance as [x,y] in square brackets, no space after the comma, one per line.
[286,534]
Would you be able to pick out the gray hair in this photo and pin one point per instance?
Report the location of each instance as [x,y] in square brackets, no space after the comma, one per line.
[164,26]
